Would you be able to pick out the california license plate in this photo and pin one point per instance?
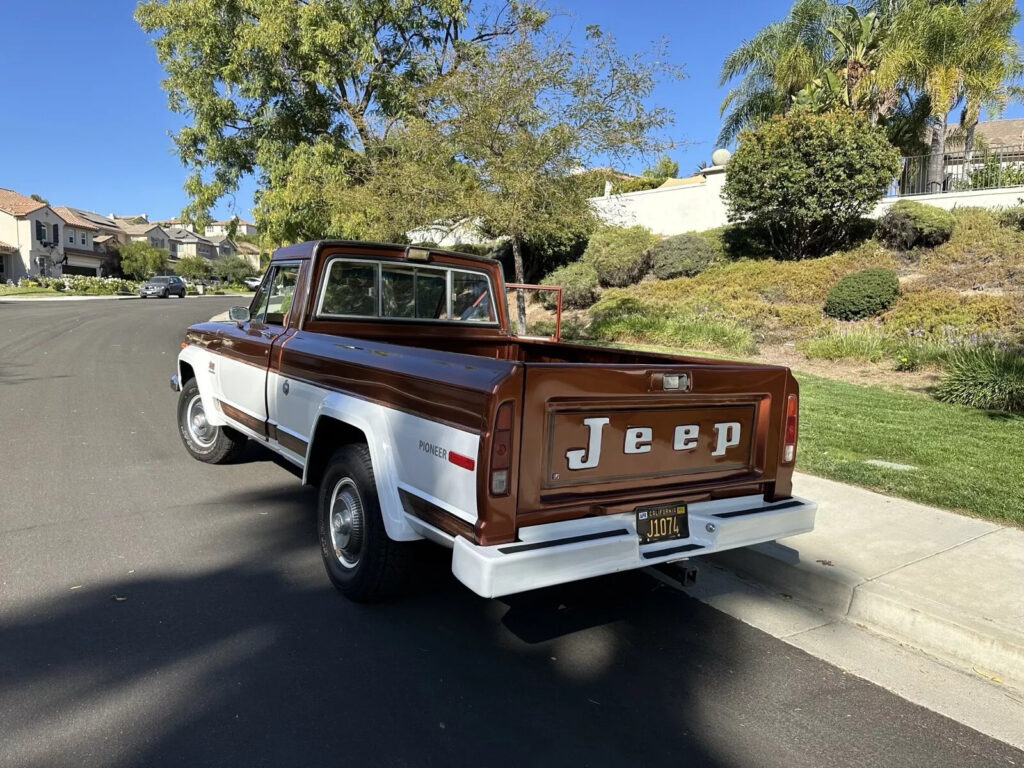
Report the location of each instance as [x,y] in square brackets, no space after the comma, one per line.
[662,523]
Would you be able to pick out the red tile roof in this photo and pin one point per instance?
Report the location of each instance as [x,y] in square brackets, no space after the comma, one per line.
[16,204]
[74,219]
[5,247]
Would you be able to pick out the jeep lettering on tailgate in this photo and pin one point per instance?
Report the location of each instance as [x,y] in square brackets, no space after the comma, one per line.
[615,445]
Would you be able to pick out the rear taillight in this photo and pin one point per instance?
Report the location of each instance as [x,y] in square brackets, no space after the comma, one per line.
[501,450]
[789,446]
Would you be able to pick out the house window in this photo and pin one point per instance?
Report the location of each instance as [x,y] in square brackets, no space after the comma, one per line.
[3,268]
[56,235]
[82,238]
[40,232]
[71,237]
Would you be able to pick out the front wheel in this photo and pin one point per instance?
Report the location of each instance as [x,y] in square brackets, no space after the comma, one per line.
[362,562]
[206,442]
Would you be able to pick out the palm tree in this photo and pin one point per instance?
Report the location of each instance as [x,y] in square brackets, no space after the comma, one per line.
[775,65]
[957,52]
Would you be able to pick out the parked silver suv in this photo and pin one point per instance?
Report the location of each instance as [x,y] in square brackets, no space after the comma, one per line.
[163,286]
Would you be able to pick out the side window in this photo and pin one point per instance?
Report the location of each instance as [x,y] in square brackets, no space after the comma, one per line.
[350,289]
[274,299]
[471,300]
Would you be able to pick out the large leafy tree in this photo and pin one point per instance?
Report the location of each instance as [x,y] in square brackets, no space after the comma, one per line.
[259,80]
[141,260]
[519,122]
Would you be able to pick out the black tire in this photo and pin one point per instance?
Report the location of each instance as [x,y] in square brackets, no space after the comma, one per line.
[361,561]
[214,445]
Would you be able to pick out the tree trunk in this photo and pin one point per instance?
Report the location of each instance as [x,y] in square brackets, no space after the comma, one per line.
[517,257]
[937,157]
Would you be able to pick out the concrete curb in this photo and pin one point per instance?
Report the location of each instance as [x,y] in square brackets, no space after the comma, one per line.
[957,638]
[966,624]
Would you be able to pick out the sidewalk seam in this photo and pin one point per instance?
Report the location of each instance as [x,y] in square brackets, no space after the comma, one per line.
[931,555]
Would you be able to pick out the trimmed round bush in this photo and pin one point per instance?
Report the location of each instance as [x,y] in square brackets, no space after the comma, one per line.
[579,286]
[680,256]
[910,225]
[619,255]
[985,376]
[862,294]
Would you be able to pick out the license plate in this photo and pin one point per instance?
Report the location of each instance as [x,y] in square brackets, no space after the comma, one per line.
[662,523]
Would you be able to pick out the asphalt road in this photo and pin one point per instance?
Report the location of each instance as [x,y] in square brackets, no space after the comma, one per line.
[158,611]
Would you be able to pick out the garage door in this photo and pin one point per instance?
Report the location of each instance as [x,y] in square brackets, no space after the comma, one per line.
[72,270]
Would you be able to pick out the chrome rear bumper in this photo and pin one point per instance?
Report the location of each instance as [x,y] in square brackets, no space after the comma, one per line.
[557,553]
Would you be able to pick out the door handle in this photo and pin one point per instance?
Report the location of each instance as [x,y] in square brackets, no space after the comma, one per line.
[285,387]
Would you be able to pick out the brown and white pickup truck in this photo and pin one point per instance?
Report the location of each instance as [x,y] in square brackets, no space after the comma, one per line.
[390,376]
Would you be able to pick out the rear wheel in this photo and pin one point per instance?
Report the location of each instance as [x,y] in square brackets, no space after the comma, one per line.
[206,442]
[362,562]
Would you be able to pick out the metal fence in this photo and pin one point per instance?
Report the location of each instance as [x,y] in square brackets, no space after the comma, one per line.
[958,171]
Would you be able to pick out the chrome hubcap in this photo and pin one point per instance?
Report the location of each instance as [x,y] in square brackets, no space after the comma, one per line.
[199,429]
[346,523]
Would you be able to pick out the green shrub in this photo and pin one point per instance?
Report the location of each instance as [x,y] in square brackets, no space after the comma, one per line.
[619,254]
[865,344]
[933,311]
[680,256]
[862,294]
[579,286]
[614,304]
[1012,217]
[676,329]
[910,225]
[807,179]
[984,376]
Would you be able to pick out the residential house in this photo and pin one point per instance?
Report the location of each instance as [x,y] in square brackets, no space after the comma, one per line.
[31,235]
[250,252]
[184,242]
[107,229]
[145,232]
[80,254]
[242,227]
[225,245]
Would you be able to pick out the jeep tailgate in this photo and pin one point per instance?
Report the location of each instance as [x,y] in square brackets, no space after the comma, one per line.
[598,437]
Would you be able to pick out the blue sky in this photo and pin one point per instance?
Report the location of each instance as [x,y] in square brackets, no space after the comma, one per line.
[90,127]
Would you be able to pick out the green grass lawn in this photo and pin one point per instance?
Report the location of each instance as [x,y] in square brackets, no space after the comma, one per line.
[967,460]
[27,291]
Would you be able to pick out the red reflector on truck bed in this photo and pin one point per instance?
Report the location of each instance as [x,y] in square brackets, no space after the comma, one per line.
[461,461]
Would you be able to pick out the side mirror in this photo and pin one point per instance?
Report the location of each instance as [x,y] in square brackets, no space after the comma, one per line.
[239,314]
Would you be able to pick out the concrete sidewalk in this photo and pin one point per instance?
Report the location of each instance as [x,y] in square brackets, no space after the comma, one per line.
[949,585]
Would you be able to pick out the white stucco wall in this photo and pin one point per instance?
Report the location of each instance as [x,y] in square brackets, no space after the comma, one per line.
[669,211]
[698,207]
[86,246]
[982,198]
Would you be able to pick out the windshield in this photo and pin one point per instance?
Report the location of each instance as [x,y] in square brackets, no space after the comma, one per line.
[159,279]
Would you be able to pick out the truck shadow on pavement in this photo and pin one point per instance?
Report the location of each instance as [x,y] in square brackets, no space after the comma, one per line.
[262,663]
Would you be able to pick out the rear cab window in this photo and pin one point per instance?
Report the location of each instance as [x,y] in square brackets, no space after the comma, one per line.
[361,289]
